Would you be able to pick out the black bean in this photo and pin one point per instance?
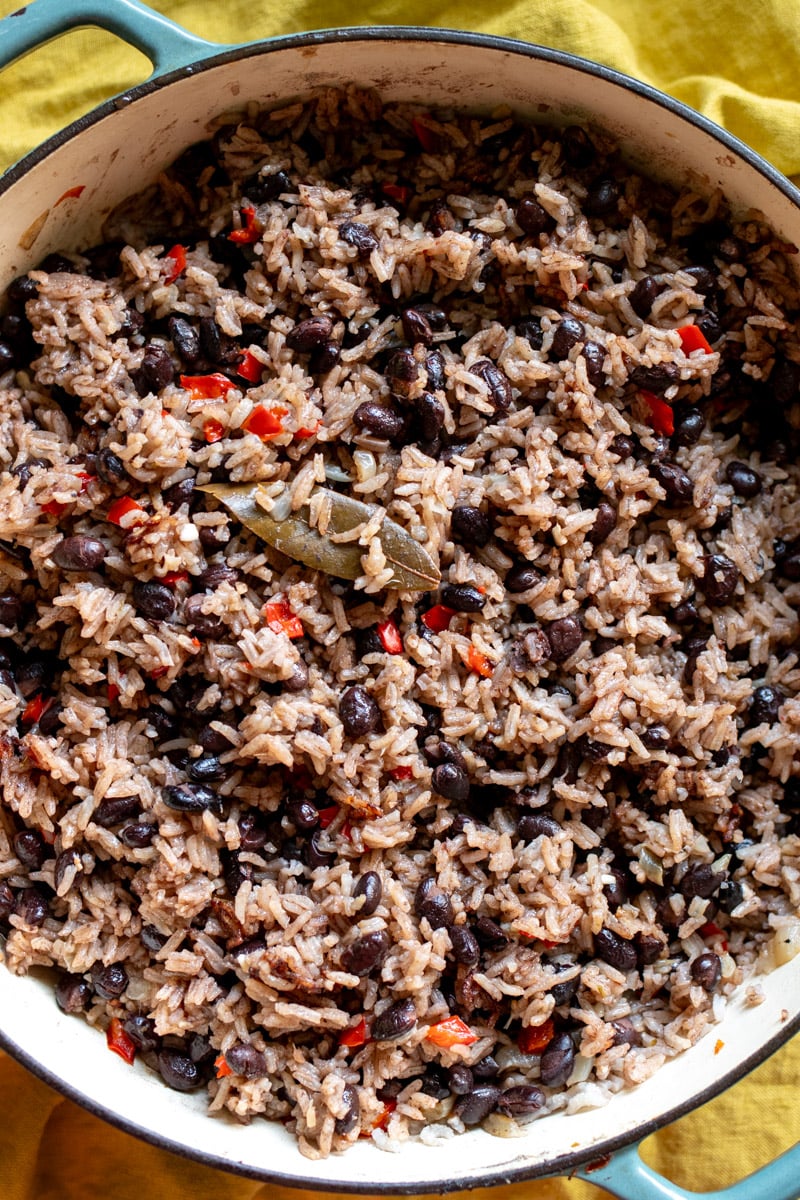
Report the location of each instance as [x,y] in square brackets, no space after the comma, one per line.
[30,905]
[251,945]
[213,741]
[430,413]
[310,334]
[615,950]
[625,1033]
[234,872]
[156,370]
[401,371]
[689,424]
[138,836]
[72,993]
[649,948]
[602,198]
[22,289]
[460,1079]
[114,810]
[497,382]
[379,420]
[142,1032]
[7,357]
[685,613]
[707,970]
[451,781]
[743,479]
[216,574]
[557,1061]
[463,597]
[312,854]
[366,954]
[644,295]
[30,848]
[521,578]
[303,814]
[532,218]
[709,325]
[720,577]
[476,1106]
[536,647]
[263,188]
[178,1071]
[394,1022]
[359,236]
[416,327]
[347,1123]
[765,705]
[204,624]
[489,934]
[369,887]
[531,329]
[32,676]
[465,945]
[785,381]
[244,1059]
[358,712]
[433,904]
[298,680]
[565,637]
[164,728]
[577,147]
[469,526]
[152,939]
[324,358]
[191,798]
[180,493]
[185,338]
[674,480]
[569,332]
[521,1100]
[656,737]
[700,880]
[218,346]
[616,892]
[109,467]
[704,280]
[252,833]
[563,993]
[594,356]
[435,370]
[604,523]
[623,446]
[207,769]
[56,263]
[655,379]
[109,982]
[730,895]
[537,824]
[153,600]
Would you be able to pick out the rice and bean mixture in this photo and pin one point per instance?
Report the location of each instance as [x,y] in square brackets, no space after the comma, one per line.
[381,861]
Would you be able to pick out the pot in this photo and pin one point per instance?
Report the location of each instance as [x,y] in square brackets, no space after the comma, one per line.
[58,197]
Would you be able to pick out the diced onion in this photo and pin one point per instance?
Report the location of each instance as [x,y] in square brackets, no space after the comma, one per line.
[365,465]
[652,866]
[581,1070]
[501,1126]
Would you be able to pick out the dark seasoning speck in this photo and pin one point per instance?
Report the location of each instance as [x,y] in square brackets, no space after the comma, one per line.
[560,760]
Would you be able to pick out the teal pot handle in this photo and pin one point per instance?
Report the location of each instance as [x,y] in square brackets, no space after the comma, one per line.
[625,1175]
[166,44]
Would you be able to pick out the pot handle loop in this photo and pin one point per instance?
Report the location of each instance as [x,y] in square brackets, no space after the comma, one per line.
[628,1178]
[166,44]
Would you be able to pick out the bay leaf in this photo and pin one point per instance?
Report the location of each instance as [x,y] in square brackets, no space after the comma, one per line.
[413,569]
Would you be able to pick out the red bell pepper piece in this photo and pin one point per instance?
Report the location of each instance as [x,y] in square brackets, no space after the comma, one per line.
[426,137]
[172,578]
[662,418]
[250,367]
[533,1038]
[281,619]
[400,773]
[85,479]
[307,433]
[265,423]
[119,1041]
[478,662]
[397,192]
[213,430]
[113,693]
[451,1032]
[158,672]
[693,338]
[328,815]
[35,709]
[207,387]
[438,618]
[354,1035]
[390,636]
[122,508]
[177,263]
[383,1119]
[54,508]
[221,1066]
[249,232]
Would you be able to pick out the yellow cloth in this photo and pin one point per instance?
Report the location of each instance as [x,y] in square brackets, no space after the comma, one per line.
[738,64]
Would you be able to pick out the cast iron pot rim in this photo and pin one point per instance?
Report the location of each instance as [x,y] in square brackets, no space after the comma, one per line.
[567,1163]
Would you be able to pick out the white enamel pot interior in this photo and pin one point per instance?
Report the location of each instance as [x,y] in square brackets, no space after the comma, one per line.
[119,149]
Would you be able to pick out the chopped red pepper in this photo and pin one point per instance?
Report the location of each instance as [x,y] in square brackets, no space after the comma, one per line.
[113,693]
[426,137]
[354,1035]
[213,431]
[221,1066]
[451,1032]
[383,1119]
[281,619]
[390,636]
[70,194]
[478,662]
[119,1041]
[122,508]
[250,367]
[54,508]
[158,672]
[175,577]
[249,232]
[397,192]
[307,433]
[85,479]
[399,773]
[36,708]
[662,418]
[711,930]
[265,423]
[438,618]
[207,387]
[533,1038]
[347,831]
[693,338]
[328,815]
[177,263]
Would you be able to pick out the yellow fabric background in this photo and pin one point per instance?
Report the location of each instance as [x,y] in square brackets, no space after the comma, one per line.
[738,64]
